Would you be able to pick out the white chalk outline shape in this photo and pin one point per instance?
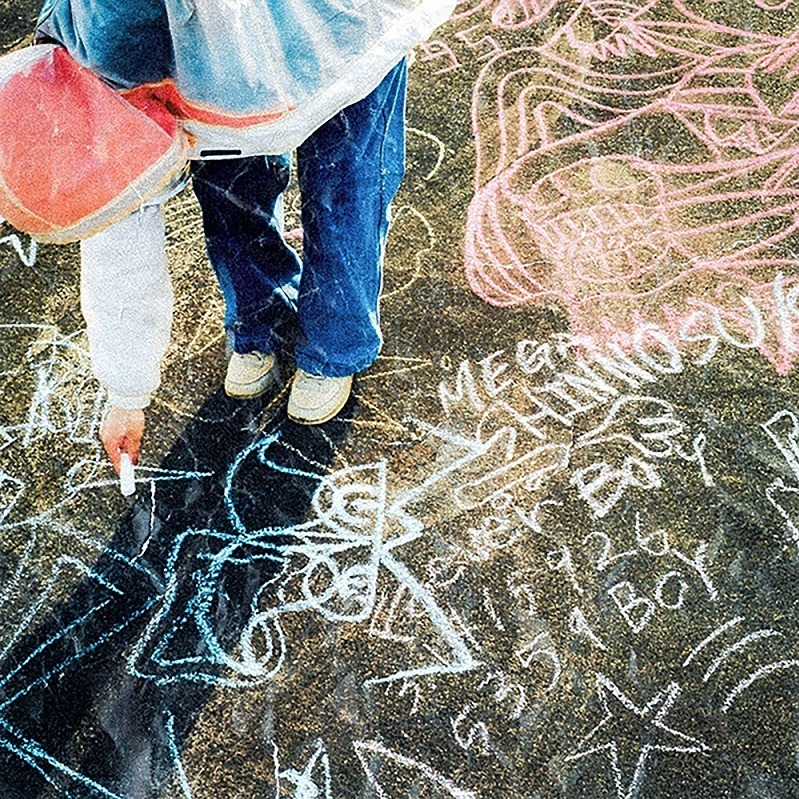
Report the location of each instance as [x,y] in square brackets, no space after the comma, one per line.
[375,748]
[788,443]
[652,716]
[305,785]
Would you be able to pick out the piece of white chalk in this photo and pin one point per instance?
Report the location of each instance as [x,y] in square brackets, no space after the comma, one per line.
[127,481]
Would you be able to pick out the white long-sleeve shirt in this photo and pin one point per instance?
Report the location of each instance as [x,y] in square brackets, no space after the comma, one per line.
[127,299]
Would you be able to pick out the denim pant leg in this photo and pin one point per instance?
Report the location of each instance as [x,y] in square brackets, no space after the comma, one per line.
[257,271]
[349,171]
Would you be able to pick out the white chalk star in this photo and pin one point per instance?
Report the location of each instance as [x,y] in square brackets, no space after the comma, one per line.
[629,723]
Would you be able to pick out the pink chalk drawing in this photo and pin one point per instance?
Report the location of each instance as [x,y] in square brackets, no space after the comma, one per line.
[467,8]
[507,14]
[640,168]
[436,50]
[516,14]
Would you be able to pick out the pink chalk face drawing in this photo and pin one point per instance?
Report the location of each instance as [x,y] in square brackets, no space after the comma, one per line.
[639,168]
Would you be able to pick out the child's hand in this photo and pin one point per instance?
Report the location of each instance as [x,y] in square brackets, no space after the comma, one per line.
[122,431]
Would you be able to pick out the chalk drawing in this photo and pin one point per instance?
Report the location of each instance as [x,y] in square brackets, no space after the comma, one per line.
[540,390]
[519,14]
[531,518]
[602,485]
[144,475]
[524,595]
[637,607]
[650,431]
[442,149]
[723,661]
[328,566]
[467,8]
[23,747]
[373,755]
[480,41]
[475,732]
[783,430]
[26,255]
[313,782]
[388,365]
[66,399]
[174,752]
[410,687]
[494,534]
[578,624]
[531,469]
[656,544]
[606,557]
[386,613]
[623,239]
[62,565]
[60,404]
[651,419]
[712,637]
[636,610]
[66,405]
[435,50]
[621,715]
[404,216]
[561,560]
[785,500]
[29,588]
[488,604]
[759,674]
[736,647]
[31,753]
[11,489]
[529,431]
[507,690]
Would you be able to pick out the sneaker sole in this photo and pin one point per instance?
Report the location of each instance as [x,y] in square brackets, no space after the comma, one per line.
[311,422]
[322,419]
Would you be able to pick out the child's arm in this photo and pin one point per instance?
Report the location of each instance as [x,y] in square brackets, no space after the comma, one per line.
[126,299]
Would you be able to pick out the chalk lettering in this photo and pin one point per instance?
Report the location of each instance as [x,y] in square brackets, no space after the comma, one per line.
[476,732]
[670,590]
[540,648]
[465,389]
[636,610]
[578,624]
[491,371]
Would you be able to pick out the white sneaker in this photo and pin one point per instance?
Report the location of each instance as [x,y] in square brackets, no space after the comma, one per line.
[315,399]
[250,374]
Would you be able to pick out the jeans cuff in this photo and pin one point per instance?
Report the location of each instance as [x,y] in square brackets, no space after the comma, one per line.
[317,366]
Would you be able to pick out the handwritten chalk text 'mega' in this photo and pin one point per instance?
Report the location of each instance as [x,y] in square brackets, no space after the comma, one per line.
[567,376]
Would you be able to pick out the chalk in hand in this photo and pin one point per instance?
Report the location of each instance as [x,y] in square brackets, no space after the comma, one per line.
[127,481]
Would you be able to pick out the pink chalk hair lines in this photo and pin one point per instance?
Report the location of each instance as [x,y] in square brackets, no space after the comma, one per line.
[639,167]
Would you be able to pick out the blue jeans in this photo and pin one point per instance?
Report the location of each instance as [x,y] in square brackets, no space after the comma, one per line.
[349,171]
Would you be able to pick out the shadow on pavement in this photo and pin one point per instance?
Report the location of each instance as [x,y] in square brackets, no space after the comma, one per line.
[67,693]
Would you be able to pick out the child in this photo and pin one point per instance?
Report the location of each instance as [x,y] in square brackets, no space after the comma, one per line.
[252,77]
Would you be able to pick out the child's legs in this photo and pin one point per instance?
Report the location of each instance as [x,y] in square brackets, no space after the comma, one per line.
[257,271]
[349,171]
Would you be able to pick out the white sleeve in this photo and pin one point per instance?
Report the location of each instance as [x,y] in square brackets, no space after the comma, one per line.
[126,299]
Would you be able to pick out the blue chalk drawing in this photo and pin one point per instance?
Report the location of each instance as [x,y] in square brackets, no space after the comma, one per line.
[328,566]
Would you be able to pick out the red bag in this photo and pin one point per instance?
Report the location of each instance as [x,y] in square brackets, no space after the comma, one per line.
[74,155]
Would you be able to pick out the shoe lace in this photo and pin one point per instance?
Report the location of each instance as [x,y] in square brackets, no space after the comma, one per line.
[311,381]
[256,358]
